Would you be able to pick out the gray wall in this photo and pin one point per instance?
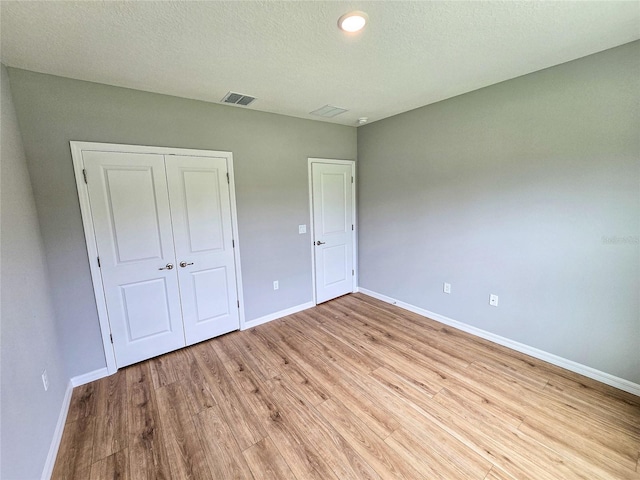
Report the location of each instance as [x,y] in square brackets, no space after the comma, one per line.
[29,342]
[529,189]
[270,161]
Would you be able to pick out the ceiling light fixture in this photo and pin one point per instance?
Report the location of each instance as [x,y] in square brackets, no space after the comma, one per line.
[353,22]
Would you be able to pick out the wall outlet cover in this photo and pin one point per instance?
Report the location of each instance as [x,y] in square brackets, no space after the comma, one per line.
[493,300]
[446,288]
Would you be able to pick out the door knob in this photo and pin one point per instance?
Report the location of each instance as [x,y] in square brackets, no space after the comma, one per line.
[320,243]
[168,266]
[184,264]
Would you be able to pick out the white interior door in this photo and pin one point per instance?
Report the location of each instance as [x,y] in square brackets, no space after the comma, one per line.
[132,224]
[333,228]
[201,214]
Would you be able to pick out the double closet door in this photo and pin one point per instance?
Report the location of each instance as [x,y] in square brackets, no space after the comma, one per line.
[163,232]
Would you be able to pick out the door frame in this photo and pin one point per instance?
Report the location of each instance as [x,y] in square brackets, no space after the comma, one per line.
[77,148]
[311,161]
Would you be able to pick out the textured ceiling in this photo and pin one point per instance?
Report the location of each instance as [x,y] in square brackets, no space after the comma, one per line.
[292,57]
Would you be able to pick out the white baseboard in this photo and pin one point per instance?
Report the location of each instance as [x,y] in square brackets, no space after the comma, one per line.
[57,434]
[89,377]
[598,375]
[276,315]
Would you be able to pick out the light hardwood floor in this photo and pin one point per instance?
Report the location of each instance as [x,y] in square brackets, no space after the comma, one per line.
[354,388]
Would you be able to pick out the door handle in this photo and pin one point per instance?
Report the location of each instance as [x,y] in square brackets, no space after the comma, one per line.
[184,264]
[168,266]
[320,243]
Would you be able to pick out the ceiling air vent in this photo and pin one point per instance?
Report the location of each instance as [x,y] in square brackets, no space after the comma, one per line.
[238,99]
[328,111]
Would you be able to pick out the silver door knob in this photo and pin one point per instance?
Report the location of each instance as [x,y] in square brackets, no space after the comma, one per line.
[320,243]
[184,264]
[168,266]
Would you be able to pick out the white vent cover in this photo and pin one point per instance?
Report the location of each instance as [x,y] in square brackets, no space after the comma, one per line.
[328,111]
[238,99]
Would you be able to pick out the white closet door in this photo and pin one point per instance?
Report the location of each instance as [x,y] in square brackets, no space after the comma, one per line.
[131,218]
[201,214]
[332,193]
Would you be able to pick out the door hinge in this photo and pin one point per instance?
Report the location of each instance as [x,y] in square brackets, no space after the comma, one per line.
[353,272]
[351,178]
[99,266]
[111,337]
[352,227]
[238,303]
[84,174]
[233,243]
[228,178]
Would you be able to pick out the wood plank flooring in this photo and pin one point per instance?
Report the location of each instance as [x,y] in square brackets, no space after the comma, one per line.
[352,389]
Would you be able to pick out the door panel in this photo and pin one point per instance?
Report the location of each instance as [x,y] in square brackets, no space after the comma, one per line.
[204,222]
[210,294]
[130,209]
[201,214]
[332,192]
[132,205]
[334,207]
[146,309]
[334,259]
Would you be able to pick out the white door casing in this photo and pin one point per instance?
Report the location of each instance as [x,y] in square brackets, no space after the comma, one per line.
[333,227]
[201,214]
[137,195]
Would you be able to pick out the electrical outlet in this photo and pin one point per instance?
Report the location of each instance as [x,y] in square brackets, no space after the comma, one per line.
[302,229]
[446,288]
[493,300]
[45,380]
[276,286]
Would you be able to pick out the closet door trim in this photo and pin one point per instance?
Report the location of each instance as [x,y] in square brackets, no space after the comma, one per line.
[77,149]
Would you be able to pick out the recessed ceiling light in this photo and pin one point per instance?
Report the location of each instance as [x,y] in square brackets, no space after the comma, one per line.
[353,21]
